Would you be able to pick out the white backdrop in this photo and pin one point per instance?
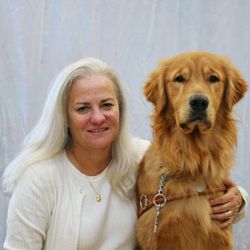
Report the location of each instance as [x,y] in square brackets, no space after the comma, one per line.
[39,37]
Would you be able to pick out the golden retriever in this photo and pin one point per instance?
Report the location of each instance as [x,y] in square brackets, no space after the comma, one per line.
[192,152]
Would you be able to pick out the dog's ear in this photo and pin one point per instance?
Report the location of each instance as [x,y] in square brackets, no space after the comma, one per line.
[236,86]
[154,90]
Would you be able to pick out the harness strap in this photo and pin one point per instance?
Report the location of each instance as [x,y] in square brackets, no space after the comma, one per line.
[149,200]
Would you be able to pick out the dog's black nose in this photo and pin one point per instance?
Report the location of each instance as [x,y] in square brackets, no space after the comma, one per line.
[198,102]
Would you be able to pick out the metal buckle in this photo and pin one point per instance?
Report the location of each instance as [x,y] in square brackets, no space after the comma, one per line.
[159,204]
[144,201]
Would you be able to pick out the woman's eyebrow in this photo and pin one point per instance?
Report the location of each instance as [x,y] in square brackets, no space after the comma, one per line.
[108,99]
[82,103]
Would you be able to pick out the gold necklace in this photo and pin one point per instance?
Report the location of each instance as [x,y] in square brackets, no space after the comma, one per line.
[73,158]
[98,196]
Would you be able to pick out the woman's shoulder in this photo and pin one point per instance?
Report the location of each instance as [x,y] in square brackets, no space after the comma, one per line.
[140,145]
[44,172]
[48,166]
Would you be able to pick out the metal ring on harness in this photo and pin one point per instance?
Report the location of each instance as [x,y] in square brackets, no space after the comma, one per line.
[163,202]
[144,201]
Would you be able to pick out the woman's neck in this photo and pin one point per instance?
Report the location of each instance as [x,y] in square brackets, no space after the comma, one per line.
[89,163]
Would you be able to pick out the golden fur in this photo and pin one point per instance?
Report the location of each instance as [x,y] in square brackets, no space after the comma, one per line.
[194,137]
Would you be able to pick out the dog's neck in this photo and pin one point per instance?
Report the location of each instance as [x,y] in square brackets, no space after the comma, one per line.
[210,154]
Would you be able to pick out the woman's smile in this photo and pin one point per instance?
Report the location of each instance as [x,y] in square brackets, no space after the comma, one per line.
[93,113]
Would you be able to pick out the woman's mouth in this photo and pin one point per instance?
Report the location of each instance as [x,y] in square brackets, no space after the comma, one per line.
[96,131]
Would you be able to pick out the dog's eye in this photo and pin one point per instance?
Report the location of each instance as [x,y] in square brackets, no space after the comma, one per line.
[213,79]
[179,79]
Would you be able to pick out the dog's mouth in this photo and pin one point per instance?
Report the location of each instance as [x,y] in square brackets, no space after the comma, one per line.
[196,122]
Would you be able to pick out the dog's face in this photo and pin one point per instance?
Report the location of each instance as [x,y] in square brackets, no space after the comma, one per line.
[193,87]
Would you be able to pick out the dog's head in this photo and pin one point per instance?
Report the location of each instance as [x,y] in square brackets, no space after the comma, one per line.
[193,87]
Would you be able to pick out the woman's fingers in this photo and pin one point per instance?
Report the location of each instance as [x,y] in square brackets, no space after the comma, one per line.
[225,207]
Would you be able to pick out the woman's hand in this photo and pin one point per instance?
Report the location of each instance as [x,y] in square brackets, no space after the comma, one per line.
[226,207]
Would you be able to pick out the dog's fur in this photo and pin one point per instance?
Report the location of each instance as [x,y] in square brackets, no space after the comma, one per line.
[194,137]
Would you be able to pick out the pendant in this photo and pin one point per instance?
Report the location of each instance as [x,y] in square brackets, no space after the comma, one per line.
[98,198]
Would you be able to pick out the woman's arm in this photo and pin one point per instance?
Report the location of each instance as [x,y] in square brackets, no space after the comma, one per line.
[230,207]
[28,214]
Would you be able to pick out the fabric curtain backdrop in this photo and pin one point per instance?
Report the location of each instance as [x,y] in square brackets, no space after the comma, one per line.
[39,37]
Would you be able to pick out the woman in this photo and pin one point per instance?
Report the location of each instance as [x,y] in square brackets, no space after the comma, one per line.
[73,181]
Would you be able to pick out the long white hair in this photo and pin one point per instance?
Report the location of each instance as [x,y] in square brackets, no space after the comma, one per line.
[50,135]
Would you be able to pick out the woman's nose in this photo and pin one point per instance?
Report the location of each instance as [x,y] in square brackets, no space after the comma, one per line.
[97,116]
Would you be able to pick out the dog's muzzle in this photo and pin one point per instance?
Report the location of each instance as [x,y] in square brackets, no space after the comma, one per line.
[198,108]
[198,103]
[197,116]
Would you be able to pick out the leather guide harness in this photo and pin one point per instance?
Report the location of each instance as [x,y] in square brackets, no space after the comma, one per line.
[160,199]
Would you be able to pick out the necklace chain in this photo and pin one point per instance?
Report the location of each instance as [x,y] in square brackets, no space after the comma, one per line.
[98,196]
[73,158]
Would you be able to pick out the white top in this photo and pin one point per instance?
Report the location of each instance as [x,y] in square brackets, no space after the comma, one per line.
[109,223]
[52,204]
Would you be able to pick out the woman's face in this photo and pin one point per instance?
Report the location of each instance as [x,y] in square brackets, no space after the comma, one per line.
[93,113]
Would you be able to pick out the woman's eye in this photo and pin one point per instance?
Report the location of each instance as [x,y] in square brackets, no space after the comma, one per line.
[213,79]
[179,79]
[83,109]
[107,105]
